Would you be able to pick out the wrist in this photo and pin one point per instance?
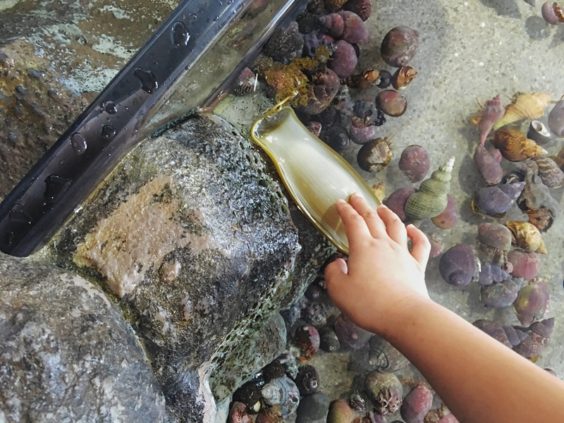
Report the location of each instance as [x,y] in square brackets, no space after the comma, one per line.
[403,315]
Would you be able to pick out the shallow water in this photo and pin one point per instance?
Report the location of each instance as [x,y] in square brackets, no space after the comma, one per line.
[470,51]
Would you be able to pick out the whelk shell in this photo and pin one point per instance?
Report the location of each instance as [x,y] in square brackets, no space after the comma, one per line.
[432,197]
[524,106]
[527,236]
[515,146]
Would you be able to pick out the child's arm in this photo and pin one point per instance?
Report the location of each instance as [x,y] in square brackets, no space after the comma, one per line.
[382,289]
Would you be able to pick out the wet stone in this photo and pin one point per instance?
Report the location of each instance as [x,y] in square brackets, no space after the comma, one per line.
[199,197]
[67,352]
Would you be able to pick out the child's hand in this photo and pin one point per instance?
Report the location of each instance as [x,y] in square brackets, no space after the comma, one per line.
[382,277]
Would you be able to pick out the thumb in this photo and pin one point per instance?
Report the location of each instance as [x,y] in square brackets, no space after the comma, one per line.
[335,271]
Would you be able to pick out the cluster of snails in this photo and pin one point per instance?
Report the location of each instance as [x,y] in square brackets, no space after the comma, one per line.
[506,262]
[315,60]
[290,388]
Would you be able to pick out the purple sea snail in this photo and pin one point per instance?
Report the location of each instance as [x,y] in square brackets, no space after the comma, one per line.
[532,302]
[458,265]
[345,25]
[362,8]
[397,199]
[524,265]
[350,335]
[344,59]
[414,162]
[417,404]
[497,200]
[500,294]
[399,46]
[391,103]
[552,13]
[488,162]
[449,216]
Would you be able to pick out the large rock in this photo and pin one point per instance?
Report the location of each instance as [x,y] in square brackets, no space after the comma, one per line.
[67,354]
[195,237]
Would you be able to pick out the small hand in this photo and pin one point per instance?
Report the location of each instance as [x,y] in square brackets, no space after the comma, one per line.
[381,275]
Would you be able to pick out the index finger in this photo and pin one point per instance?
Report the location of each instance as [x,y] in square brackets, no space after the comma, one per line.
[355,226]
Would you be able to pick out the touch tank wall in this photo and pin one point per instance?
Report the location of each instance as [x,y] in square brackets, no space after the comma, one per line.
[187,285]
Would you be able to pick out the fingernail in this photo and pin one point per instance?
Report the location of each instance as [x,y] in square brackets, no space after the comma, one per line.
[341,201]
[355,194]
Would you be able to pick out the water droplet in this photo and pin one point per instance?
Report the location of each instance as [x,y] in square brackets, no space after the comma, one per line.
[148,80]
[55,187]
[19,215]
[78,143]
[180,35]
[108,132]
[110,107]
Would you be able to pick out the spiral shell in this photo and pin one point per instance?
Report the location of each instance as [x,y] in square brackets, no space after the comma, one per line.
[432,196]
[458,265]
[515,147]
[527,236]
[524,106]
[552,176]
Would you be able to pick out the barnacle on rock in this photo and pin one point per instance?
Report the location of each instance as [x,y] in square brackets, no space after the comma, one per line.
[375,155]
[385,390]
